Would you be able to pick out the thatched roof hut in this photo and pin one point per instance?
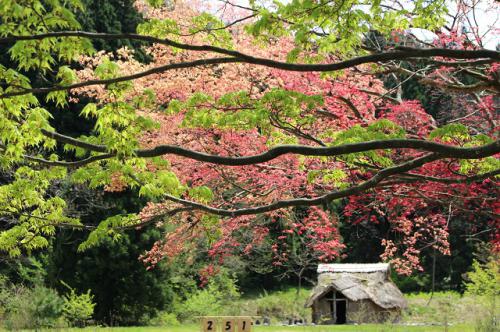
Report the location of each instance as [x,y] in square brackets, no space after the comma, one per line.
[355,293]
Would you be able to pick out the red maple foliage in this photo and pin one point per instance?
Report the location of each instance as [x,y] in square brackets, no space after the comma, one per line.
[418,212]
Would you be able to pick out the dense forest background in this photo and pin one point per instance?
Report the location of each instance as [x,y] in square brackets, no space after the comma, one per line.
[126,293]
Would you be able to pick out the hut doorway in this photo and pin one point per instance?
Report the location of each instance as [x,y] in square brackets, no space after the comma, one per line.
[340,310]
[338,307]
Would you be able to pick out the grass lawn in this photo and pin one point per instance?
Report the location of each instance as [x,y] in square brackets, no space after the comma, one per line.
[347,328]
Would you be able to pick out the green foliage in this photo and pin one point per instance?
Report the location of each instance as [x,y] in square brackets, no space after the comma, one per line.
[166,28]
[281,305]
[212,29]
[339,27]
[66,76]
[442,308]
[78,309]
[451,132]
[113,16]
[377,130]
[29,190]
[331,176]
[117,123]
[484,279]
[108,229]
[203,194]
[20,18]
[278,137]
[27,308]
[32,272]
[125,293]
[22,118]
[211,227]
[236,110]
[277,305]
[155,3]
[479,166]
[220,292]
[160,183]
[459,134]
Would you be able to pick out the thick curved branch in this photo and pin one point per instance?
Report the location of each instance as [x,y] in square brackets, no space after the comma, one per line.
[155,70]
[235,56]
[444,150]
[399,54]
[371,183]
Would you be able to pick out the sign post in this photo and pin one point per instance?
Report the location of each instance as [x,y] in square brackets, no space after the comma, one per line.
[226,324]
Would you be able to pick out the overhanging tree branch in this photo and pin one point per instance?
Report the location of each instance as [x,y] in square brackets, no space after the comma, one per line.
[236,56]
[444,150]
[320,200]
[399,54]
[156,70]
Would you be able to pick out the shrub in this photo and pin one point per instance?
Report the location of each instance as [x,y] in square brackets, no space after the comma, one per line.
[78,309]
[484,284]
[284,304]
[484,279]
[47,306]
[29,308]
[220,292]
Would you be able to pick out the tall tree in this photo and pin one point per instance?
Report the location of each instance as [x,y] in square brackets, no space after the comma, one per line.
[116,304]
[250,131]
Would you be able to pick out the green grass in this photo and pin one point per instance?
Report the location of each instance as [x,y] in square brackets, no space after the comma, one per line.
[346,328]
[461,312]
[365,328]
[444,307]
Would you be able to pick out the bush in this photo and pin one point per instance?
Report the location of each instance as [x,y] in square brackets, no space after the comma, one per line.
[78,309]
[484,283]
[484,279]
[47,306]
[29,308]
[220,292]
[284,304]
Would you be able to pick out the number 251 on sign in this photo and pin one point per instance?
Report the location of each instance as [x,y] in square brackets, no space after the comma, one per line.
[226,324]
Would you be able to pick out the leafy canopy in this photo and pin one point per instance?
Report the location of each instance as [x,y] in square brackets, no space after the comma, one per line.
[126,110]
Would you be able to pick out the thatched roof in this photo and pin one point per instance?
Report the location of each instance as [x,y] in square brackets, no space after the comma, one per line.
[374,267]
[358,282]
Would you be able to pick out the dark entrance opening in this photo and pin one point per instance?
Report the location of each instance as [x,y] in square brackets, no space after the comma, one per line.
[340,310]
[338,307]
